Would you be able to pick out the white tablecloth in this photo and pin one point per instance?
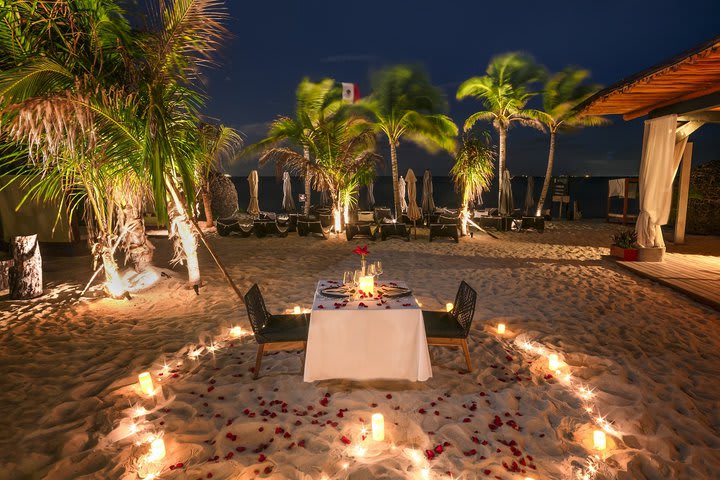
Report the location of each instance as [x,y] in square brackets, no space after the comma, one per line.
[384,339]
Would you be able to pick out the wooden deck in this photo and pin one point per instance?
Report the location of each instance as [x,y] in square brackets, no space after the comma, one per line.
[697,276]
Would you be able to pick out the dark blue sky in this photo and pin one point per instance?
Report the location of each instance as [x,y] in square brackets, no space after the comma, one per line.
[276,43]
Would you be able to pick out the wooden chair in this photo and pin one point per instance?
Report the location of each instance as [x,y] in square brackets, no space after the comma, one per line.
[274,332]
[451,329]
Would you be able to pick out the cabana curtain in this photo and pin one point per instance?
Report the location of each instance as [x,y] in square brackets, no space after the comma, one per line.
[660,160]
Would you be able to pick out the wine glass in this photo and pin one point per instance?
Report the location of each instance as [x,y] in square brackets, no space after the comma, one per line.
[347,277]
[378,268]
[371,270]
[356,277]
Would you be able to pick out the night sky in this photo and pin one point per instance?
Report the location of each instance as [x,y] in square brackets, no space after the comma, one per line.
[276,43]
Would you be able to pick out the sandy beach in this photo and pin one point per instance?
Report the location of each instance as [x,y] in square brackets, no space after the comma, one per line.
[650,355]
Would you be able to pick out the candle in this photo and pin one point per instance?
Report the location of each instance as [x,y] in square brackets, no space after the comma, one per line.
[146,383]
[297,310]
[157,450]
[449,307]
[553,362]
[236,331]
[599,440]
[367,284]
[501,328]
[378,427]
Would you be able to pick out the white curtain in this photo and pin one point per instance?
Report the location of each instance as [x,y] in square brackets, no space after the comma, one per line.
[660,160]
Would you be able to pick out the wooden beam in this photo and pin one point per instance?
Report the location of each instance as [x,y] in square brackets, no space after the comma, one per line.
[695,102]
[683,194]
[685,130]
[707,117]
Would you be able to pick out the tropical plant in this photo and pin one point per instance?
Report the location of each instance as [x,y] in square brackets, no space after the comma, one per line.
[563,92]
[625,239]
[405,104]
[315,103]
[473,170]
[504,92]
[218,145]
[344,156]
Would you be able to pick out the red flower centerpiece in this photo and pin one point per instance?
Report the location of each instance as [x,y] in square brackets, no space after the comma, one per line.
[362,251]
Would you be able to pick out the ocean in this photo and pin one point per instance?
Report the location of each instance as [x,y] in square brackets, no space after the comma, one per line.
[590,193]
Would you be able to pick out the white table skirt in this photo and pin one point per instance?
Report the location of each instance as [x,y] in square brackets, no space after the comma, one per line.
[366,343]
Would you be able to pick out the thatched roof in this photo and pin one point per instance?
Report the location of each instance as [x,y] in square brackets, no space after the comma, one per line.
[690,75]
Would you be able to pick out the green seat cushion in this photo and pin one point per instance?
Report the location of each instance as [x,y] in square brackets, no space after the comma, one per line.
[284,328]
[441,324]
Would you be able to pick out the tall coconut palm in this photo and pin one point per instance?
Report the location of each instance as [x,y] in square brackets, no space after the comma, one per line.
[315,103]
[563,92]
[343,152]
[405,104]
[504,92]
[472,172]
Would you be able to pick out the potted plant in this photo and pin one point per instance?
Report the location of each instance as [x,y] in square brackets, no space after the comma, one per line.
[624,245]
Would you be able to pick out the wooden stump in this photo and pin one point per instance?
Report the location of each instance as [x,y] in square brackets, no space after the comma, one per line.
[26,274]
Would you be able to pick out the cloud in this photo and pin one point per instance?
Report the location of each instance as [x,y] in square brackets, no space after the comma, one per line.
[349,57]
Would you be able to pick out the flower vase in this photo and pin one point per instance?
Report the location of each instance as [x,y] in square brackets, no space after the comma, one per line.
[362,263]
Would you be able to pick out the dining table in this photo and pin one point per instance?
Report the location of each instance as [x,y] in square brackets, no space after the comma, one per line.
[366,337]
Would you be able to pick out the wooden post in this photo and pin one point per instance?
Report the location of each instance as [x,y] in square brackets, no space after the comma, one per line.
[25,276]
[683,193]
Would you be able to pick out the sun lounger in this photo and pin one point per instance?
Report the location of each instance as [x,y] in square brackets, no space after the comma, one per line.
[312,225]
[232,226]
[536,223]
[445,227]
[267,227]
[361,226]
[394,229]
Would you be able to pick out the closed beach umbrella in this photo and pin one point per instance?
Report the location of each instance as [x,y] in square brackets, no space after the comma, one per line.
[401,187]
[529,194]
[428,204]
[288,203]
[371,196]
[253,208]
[506,198]
[324,197]
[413,211]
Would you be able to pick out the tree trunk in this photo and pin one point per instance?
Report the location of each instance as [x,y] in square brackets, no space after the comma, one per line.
[502,132]
[114,283]
[182,234]
[548,174]
[25,276]
[137,247]
[308,179]
[207,203]
[396,186]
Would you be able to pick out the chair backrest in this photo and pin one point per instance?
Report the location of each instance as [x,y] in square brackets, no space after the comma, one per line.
[257,312]
[364,216]
[382,214]
[464,306]
[447,220]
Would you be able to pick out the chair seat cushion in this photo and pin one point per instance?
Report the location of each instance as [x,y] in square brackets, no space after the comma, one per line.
[442,325]
[284,328]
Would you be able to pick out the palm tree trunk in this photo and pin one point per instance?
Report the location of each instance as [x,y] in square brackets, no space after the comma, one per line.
[182,233]
[207,203]
[137,246]
[396,185]
[502,132]
[308,178]
[548,174]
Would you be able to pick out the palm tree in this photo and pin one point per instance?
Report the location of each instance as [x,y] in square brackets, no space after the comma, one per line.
[504,93]
[563,92]
[404,104]
[473,170]
[218,144]
[315,103]
[344,156]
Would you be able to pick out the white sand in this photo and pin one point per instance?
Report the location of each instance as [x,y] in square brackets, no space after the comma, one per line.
[651,354]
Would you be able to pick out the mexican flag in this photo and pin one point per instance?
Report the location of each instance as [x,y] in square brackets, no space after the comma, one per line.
[351,92]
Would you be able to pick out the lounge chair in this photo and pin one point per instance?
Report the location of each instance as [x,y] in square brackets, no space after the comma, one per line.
[451,329]
[536,223]
[265,227]
[232,226]
[361,226]
[388,227]
[445,227]
[274,332]
[312,225]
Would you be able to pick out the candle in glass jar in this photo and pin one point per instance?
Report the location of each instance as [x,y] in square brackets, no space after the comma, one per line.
[449,307]
[157,450]
[378,427]
[146,383]
[553,362]
[297,310]
[599,440]
[501,328]
[367,284]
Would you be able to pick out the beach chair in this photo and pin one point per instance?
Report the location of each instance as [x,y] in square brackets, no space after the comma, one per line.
[451,329]
[361,226]
[445,227]
[265,227]
[274,332]
[232,226]
[312,225]
[535,223]
[388,227]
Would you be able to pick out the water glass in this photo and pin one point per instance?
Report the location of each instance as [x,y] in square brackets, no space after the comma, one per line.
[378,268]
[371,270]
[356,277]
